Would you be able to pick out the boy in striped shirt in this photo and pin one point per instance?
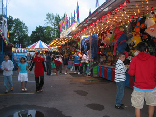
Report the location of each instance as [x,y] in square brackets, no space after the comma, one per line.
[120,77]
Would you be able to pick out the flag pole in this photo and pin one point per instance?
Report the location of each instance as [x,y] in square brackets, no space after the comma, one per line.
[2,30]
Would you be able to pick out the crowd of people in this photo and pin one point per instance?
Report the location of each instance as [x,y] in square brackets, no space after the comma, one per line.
[142,66]
[49,63]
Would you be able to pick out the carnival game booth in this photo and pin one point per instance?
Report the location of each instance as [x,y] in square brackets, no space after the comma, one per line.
[38,46]
[120,25]
[66,46]
[58,43]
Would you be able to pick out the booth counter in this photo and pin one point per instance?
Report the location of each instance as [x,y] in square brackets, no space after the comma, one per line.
[108,72]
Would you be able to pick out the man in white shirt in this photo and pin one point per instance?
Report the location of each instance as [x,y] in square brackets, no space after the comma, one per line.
[83,63]
[7,67]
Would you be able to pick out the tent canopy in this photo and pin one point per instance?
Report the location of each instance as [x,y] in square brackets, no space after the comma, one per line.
[38,44]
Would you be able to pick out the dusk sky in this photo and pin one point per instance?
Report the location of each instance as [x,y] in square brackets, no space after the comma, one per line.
[33,12]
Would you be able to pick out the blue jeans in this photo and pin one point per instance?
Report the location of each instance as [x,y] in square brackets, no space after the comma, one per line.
[6,80]
[120,92]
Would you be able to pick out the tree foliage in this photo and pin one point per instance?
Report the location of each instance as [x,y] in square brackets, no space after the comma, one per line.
[54,21]
[49,32]
[41,33]
[18,31]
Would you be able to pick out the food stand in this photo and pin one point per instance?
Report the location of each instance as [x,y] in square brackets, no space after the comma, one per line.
[127,16]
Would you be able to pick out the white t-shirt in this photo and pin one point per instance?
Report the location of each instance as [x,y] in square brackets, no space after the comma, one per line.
[84,58]
[9,65]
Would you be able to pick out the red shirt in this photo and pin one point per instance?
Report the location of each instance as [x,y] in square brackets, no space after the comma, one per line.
[39,69]
[143,67]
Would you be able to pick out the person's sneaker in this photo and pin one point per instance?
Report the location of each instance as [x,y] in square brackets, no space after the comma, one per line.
[122,105]
[11,88]
[6,91]
[25,89]
[78,72]
[65,73]
[22,89]
[119,107]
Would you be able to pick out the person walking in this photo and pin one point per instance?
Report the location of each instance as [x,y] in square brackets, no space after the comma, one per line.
[7,67]
[53,66]
[120,77]
[143,67]
[83,63]
[76,61]
[60,58]
[39,70]
[22,73]
[28,59]
[57,64]
[48,64]
[65,63]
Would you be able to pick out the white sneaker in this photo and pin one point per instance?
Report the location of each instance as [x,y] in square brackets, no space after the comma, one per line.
[25,89]
[65,73]
[78,72]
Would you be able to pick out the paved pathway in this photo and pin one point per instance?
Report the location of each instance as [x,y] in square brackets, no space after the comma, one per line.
[68,95]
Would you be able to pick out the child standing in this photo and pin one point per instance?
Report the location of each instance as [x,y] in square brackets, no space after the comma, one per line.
[7,67]
[22,73]
[120,77]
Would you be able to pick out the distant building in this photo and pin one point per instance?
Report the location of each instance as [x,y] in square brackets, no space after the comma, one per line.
[5,46]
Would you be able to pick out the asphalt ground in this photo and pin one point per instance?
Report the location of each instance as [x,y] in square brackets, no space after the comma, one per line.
[70,95]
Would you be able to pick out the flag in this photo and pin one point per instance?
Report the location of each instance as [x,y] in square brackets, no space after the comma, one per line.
[66,22]
[71,19]
[74,16]
[69,22]
[97,3]
[77,12]
[63,22]
[89,11]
